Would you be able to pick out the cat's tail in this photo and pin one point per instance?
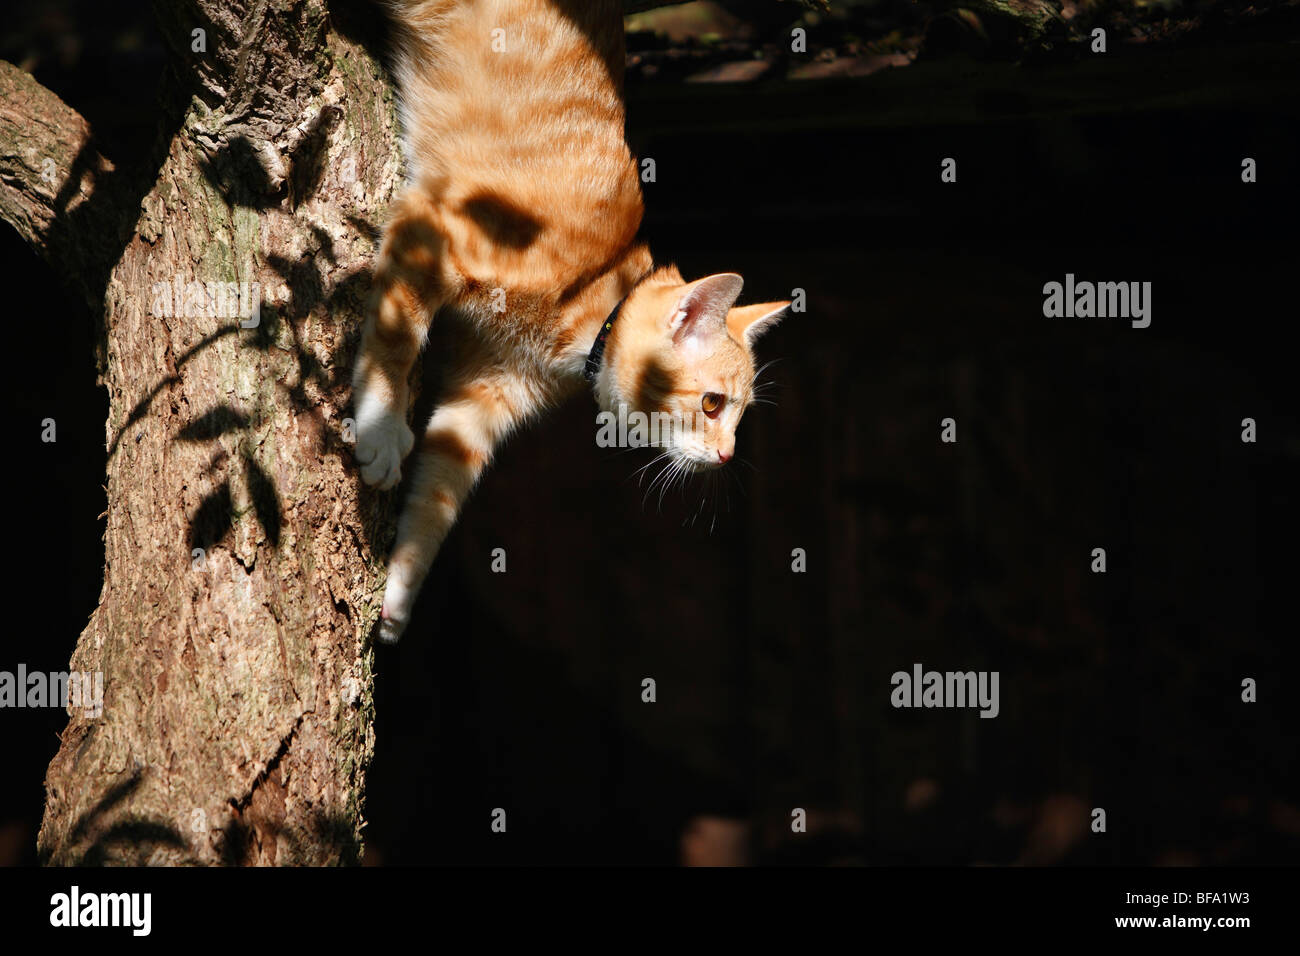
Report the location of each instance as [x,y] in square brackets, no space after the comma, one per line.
[417,29]
[418,23]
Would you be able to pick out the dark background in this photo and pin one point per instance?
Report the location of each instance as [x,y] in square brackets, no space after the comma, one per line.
[523,690]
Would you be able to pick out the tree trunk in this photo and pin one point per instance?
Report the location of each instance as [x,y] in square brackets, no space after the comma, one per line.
[243,561]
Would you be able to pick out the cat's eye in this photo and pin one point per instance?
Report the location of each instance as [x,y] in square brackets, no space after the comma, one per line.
[712,404]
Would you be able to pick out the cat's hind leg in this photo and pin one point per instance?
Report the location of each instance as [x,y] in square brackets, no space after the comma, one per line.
[475,415]
[408,288]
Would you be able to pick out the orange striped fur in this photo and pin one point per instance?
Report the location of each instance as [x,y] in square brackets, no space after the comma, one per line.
[521,212]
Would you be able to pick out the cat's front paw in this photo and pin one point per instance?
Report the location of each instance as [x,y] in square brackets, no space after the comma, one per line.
[383,440]
[390,630]
[396,611]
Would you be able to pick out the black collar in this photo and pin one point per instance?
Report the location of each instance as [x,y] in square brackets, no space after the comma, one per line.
[597,353]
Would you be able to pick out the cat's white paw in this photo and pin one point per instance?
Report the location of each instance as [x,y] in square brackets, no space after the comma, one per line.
[383,440]
[390,630]
[396,612]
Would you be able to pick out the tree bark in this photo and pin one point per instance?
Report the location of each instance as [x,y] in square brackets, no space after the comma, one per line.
[243,560]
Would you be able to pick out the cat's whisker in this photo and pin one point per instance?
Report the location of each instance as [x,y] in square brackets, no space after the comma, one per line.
[704,492]
[679,465]
[639,474]
[683,478]
[654,481]
[754,382]
[758,389]
[662,480]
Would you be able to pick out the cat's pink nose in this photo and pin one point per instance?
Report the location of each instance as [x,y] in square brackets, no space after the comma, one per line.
[724,456]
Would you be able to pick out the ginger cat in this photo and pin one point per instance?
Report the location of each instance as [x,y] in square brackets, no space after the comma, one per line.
[520,215]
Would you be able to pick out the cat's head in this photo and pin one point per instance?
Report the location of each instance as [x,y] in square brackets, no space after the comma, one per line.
[683,351]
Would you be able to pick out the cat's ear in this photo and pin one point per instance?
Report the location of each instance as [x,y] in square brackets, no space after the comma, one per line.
[747,322]
[702,309]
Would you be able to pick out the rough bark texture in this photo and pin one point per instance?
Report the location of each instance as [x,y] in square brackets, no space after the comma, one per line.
[48,171]
[243,561]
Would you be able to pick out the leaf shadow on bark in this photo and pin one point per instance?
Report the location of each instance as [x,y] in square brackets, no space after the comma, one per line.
[134,840]
[141,408]
[237,172]
[137,831]
[110,799]
[266,502]
[309,156]
[240,841]
[308,292]
[140,834]
[98,228]
[215,515]
[213,519]
[214,423]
